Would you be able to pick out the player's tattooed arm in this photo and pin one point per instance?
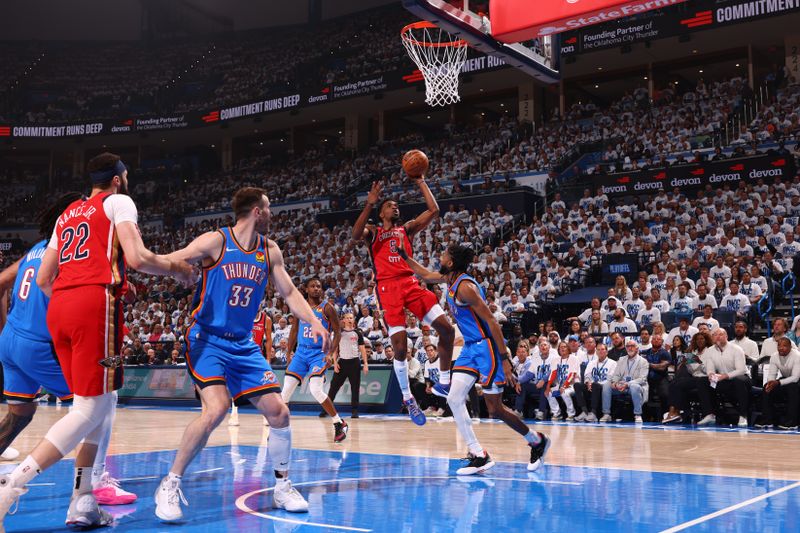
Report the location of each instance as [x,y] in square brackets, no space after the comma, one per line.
[468,293]
[140,258]
[426,217]
[333,320]
[428,276]
[293,298]
[291,344]
[362,230]
[207,248]
[7,278]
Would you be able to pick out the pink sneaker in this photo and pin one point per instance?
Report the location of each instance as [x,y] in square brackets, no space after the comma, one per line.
[108,492]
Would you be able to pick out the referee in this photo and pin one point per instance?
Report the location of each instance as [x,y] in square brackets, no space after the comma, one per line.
[346,364]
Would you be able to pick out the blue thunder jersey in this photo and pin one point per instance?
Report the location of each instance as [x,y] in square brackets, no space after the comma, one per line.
[229,296]
[28,313]
[304,338]
[471,326]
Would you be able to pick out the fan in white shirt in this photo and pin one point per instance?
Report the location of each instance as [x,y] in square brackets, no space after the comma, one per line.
[649,315]
[684,330]
[703,299]
[621,323]
[710,322]
[735,301]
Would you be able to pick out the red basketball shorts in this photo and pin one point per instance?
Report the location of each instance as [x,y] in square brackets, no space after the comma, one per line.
[397,294]
[86,325]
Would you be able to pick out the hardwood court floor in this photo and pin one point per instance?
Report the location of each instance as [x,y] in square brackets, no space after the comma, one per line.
[715,452]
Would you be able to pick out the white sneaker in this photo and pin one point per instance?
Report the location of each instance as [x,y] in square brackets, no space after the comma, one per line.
[429,411]
[570,418]
[286,497]
[638,419]
[518,413]
[591,418]
[169,497]
[605,418]
[539,415]
[9,454]
[84,512]
[9,495]
[438,412]
[742,422]
[555,416]
[708,420]
[581,417]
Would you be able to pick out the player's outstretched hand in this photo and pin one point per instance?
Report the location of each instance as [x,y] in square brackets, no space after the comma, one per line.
[375,192]
[185,273]
[318,331]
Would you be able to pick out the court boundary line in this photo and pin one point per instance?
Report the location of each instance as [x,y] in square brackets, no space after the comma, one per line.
[731,508]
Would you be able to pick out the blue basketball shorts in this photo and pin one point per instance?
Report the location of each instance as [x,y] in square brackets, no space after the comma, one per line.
[306,363]
[29,365]
[481,360]
[239,364]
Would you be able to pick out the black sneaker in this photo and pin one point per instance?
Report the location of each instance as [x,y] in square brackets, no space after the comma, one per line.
[354,413]
[538,451]
[323,414]
[341,431]
[476,465]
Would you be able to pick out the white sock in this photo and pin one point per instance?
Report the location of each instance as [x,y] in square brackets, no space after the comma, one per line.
[25,472]
[337,419]
[83,481]
[533,438]
[172,476]
[459,390]
[401,371]
[280,449]
[444,377]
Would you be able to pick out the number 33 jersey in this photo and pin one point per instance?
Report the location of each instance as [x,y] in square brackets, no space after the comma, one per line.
[228,298]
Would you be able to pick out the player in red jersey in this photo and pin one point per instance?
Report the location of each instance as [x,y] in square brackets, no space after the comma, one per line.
[262,332]
[397,289]
[84,270]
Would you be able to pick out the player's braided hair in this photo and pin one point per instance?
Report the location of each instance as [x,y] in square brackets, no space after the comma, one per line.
[47,217]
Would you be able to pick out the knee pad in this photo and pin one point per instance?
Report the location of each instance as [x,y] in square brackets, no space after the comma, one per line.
[316,390]
[87,414]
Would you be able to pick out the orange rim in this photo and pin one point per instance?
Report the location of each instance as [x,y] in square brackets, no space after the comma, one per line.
[406,35]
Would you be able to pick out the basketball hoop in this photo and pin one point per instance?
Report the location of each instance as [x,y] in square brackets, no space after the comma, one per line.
[439,56]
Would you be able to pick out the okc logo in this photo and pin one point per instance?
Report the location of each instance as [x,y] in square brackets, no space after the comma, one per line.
[269,377]
[316,369]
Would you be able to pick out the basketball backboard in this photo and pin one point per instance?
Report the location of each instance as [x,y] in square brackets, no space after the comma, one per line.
[469,20]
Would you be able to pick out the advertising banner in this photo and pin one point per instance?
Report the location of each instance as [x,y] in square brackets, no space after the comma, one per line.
[696,176]
[174,383]
[672,21]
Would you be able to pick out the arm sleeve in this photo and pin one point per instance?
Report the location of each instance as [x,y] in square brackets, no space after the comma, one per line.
[120,208]
[53,244]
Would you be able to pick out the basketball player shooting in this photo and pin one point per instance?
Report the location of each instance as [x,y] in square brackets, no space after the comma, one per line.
[397,289]
[484,358]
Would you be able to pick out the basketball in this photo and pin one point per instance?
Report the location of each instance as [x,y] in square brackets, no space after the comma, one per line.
[415,163]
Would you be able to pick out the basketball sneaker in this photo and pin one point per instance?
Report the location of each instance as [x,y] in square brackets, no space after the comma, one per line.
[581,417]
[286,497]
[441,390]
[9,496]
[84,512]
[708,420]
[591,418]
[340,429]
[169,497]
[606,418]
[417,416]
[538,451]
[476,464]
[108,492]
[9,454]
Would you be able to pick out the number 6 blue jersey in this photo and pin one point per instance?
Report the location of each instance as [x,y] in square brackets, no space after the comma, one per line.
[229,296]
[28,313]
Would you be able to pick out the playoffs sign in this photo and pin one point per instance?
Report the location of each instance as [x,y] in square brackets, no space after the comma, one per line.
[696,176]
[519,20]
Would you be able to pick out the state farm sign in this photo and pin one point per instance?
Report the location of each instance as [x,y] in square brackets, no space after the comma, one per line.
[519,20]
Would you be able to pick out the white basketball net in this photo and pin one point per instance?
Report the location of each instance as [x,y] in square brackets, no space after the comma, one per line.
[439,56]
